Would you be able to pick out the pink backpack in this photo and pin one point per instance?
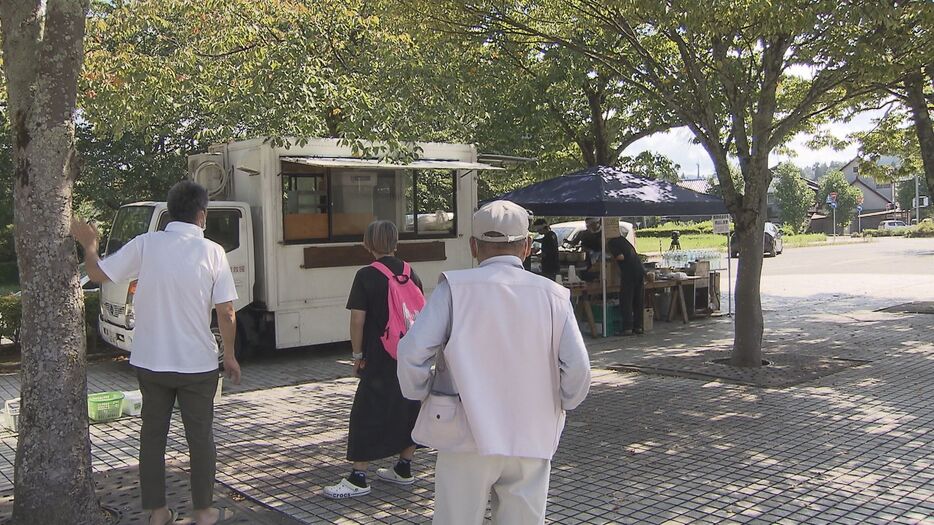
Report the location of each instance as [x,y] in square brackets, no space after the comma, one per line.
[405,301]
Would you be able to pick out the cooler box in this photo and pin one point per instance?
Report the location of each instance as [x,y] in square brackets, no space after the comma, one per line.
[132,403]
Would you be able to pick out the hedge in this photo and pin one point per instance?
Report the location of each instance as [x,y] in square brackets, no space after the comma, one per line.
[9,274]
[11,314]
[685,228]
[925,229]
[7,249]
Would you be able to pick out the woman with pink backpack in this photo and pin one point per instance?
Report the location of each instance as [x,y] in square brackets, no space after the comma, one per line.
[384,299]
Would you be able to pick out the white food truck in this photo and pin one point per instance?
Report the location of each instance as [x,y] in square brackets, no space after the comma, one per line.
[291,219]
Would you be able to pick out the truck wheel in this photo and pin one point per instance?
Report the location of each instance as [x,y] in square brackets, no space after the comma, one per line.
[243,348]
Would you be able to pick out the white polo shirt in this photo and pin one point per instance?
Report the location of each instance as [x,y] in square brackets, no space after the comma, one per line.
[181,276]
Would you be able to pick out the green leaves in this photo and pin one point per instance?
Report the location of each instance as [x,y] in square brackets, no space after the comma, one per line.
[794,197]
[892,136]
[219,70]
[847,197]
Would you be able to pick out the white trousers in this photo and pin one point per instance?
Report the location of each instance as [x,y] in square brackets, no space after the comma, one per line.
[517,489]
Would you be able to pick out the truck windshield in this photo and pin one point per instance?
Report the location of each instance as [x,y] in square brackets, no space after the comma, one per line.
[130,222]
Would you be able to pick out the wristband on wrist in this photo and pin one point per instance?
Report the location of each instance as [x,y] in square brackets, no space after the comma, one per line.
[357,357]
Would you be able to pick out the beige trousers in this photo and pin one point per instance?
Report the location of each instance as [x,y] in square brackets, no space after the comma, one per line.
[516,488]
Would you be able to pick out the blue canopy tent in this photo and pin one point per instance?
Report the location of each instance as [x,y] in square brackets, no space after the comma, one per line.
[608,192]
[603,191]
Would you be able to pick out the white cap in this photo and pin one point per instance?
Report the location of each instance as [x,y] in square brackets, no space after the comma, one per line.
[501,221]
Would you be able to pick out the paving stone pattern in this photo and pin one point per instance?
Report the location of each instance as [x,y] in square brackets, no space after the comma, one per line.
[782,370]
[119,493]
[856,446]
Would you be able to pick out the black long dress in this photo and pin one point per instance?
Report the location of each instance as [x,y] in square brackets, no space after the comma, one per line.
[381,420]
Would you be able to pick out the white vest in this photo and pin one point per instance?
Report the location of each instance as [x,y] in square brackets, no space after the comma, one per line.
[503,357]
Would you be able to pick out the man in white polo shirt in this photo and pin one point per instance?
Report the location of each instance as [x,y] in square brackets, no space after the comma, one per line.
[512,353]
[180,277]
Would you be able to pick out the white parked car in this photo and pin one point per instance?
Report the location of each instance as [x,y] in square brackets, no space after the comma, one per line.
[567,230]
[892,225]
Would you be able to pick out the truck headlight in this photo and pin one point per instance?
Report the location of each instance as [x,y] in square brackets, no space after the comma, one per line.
[130,318]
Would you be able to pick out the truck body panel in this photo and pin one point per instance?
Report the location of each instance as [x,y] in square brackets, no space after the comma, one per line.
[304,206]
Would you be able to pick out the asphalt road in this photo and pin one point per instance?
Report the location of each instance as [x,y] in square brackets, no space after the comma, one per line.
[880,256]
[837,279]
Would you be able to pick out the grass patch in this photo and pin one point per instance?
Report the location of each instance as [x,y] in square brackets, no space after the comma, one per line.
[688,242]
[711,241]
[804,239]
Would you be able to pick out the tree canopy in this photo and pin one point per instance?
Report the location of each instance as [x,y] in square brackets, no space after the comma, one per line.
[847,197]
[794,196]
[744,76]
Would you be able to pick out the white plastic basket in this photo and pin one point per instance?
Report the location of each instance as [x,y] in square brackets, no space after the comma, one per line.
[11,414]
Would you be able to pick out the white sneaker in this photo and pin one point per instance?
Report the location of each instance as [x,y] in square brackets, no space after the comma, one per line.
[390,475]
[345,489]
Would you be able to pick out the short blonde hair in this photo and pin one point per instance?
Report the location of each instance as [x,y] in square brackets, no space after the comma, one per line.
[381,237]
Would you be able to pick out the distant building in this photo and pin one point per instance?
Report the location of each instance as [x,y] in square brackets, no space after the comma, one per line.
[879,200]
[877,196]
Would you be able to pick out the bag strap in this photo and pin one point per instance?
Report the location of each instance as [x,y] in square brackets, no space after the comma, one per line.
[383,269]
[402,278]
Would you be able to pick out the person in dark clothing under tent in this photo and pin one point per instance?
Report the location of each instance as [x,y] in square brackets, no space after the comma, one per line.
[632,279]
[591,241]
[549,248]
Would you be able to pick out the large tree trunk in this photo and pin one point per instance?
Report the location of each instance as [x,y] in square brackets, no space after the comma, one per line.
[747,343]
[749,211]
[914,85]
[43,53]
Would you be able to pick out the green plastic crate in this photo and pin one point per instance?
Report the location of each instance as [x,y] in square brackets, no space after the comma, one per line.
[105,406]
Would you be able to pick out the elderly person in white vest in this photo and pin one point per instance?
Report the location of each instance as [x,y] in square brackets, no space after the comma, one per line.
[509,360]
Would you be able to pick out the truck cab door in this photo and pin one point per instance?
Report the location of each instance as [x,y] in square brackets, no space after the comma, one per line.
[228,227]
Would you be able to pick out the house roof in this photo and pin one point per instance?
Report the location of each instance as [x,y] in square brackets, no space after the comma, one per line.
[885,160]
[870,188]
[698,185]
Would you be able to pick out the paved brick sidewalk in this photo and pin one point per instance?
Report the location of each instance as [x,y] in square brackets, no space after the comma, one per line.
[853,447]
[850,448]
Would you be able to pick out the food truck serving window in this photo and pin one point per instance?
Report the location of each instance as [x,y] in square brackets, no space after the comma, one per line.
[324,204]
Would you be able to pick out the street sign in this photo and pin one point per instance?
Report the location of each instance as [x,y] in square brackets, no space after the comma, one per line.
[925,202]
[833,195]
[833,204]
[721,225]
[859,209]
[829,199]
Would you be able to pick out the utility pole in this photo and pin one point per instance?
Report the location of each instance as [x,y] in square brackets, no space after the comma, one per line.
[917,201]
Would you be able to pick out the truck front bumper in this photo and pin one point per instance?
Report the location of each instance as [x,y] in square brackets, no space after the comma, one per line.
[115,335]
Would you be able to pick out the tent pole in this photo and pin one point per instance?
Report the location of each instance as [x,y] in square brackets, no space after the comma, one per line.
[603,272]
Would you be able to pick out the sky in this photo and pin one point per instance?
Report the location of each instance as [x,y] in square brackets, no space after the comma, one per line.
[678,145]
